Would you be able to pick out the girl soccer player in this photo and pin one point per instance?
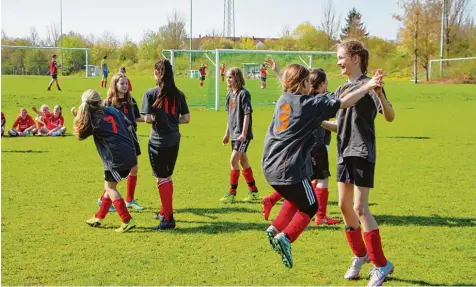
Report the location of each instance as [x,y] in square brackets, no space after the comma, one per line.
[52,123]
[118,96]
[23,125]
[165,107]
[286,159]
[122,70]
[203,74]
[319,156]
[262,75]
[115,145]
[356,162]
[41,118]
[239,128]
[3,123]
[222,72]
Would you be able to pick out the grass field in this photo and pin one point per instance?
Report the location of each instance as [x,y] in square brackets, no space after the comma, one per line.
[424,198]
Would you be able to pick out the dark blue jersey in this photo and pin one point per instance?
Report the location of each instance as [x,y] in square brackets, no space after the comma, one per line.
[131,111]
[113,139]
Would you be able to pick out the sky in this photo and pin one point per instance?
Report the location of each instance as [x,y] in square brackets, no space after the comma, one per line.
[258,18]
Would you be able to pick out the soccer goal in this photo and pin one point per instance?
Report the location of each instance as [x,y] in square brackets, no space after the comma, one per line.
[247,60]
[452,67]
[33,60]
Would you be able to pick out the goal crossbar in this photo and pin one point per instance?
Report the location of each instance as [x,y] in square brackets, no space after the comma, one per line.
[446,60]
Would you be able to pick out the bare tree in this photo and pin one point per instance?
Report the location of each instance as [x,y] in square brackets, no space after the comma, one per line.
[456,13]
[34,37]
[4,35]
[173,34]
[52,35]
[331,22]
[286,31]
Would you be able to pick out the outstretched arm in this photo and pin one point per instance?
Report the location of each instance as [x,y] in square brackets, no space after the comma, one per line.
[330,126]
[274,66]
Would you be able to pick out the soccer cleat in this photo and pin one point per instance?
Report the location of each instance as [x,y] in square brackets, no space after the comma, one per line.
[159,216]
[165,224]
[126,226]
[252,196]
[134,205]
[228,198]
[378,274]
[271,232]
[266,206]
[327,220]
[283,247]
[355,266]
[94,222]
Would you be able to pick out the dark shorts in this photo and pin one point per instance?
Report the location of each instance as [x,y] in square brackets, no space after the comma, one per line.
[301,195]
[202,78]
[320,163]
[136,142]
[162,160]
[240,146]
[115,175]
[54,76]
[105,74]
[356,171]
[222,75]
[263,79]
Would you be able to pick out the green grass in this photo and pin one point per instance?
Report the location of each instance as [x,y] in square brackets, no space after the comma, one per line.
[423,200]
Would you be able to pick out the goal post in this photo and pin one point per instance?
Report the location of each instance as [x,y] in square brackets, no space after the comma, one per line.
[73,61]
[180,60]
[469,68]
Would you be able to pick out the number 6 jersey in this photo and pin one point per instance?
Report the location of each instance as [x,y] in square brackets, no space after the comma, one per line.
[289,140]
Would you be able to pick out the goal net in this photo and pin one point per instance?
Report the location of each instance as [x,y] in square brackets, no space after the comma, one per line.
[458,70]
[33,60]
[213,93]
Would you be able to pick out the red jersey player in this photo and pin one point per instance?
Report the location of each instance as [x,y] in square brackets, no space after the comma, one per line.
[3,123]
[54,73]
[262,74]
[23,125]
[222,72]
[203,73]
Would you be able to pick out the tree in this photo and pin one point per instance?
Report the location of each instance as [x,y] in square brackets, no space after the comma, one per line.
[34,37]
[149,46]
[173,34]
[52,35]
[354,27]
[128,52]
[308,38]
[456,13]
[330,23]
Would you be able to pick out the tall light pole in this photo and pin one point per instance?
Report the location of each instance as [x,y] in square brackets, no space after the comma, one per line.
[61,33]
[190,34]
[442,41]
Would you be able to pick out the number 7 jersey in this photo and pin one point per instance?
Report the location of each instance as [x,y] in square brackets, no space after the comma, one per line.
[113,139]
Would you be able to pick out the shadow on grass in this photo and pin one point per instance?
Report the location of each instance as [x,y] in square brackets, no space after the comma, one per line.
[424,283]
[208,212]
[434,220]
[25,151]
[406,138]
[220,227]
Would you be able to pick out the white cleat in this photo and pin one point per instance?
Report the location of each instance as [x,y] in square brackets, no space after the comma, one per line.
[378,274]
[355,266]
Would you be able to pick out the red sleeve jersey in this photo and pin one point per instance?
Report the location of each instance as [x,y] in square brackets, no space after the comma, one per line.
[203,71]
[129,84]
[3,119]
[53,122]
[45,119]
[23,124]
[222,70]
[262,72]
[53,68]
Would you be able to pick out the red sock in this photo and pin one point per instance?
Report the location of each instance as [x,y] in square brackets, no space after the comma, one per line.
[275,197]
[165,191]
[121,209]
[286,214]
[374,246]
[297,225]
[356,243]
[234,176]
[201,84]
[131,187]
[248,175]
[322,195]
[104,208]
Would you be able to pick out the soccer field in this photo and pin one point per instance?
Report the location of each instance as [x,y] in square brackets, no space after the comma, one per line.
[424,197]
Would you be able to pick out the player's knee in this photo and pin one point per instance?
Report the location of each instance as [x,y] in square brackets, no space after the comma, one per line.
[311,210]
[134,170]
[360,209]
[345,206]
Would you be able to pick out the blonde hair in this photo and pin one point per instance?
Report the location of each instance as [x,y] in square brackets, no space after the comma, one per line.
[238,75]
[91,103]
[112,97]
[295,79]
[44,106]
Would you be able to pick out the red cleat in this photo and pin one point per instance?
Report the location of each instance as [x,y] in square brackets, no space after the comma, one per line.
[327,220]
[266,206]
